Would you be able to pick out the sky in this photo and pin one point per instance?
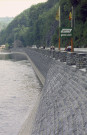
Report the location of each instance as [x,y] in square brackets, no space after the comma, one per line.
[11,8]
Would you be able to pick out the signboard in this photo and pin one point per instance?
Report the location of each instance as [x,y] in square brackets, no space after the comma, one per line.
[66,32]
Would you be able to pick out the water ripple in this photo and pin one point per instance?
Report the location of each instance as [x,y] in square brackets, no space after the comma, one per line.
[19,89]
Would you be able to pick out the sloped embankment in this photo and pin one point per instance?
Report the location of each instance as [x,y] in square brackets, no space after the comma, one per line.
[63,104]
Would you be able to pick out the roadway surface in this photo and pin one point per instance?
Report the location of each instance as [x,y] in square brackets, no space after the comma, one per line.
[77,50]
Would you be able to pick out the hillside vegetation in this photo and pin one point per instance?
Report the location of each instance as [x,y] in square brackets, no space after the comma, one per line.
[38,26]
[4,21]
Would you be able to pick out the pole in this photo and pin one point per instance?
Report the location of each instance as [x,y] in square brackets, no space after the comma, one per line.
[59,41]
[72,18]
[59,27]
[72,28]
[71,44]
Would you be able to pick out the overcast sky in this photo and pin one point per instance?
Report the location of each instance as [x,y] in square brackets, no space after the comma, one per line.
[11,8]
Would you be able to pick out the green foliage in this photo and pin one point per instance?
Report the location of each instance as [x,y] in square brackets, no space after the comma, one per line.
[37,25]
[4,21]
[74,2]
[7,46]
[79,21]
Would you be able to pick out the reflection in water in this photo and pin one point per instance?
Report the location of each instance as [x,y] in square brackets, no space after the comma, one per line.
[19,89]
[4,56]
[13,56]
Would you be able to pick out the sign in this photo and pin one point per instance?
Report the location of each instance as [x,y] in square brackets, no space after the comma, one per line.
[66,32]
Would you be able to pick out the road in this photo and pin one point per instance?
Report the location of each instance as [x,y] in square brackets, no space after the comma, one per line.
[77,50]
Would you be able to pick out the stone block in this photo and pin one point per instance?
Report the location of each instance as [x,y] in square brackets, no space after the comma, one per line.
[48,53]
[56,55]
[63,56]
[52,53]
[81,60]
[71,58]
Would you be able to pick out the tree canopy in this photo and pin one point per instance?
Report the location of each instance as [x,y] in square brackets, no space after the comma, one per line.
[38,26]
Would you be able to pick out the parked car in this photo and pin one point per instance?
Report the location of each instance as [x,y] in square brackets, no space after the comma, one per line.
[68,48]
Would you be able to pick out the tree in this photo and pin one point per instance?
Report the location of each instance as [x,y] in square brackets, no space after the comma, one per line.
[74,2]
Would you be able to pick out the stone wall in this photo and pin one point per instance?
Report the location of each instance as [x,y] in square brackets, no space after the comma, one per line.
[41,61]
[71,58]
[63,104]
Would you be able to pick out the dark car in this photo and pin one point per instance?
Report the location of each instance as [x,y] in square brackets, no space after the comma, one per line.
[68,48]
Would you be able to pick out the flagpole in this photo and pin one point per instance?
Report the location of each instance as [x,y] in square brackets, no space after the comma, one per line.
[72,18]
[59,27]
[72,28]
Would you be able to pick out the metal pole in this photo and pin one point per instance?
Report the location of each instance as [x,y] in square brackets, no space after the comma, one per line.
[71,44]
[72,27]
[59,27]
[59,18]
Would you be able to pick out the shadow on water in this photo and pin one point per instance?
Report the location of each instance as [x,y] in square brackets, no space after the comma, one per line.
[12,56]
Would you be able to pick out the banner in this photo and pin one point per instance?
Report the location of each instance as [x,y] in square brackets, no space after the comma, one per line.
[70,16]
[58,15]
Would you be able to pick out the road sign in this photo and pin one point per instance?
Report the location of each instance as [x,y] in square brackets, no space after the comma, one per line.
[66,32]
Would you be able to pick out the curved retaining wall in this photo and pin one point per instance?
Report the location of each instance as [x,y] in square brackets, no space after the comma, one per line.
[63,104]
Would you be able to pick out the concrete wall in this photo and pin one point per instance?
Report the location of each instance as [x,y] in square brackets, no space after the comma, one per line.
[63,103]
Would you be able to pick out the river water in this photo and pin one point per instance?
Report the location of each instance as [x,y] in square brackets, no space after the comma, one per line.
[19,90]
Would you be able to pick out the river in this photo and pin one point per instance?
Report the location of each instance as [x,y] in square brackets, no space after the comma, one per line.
[19,90]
